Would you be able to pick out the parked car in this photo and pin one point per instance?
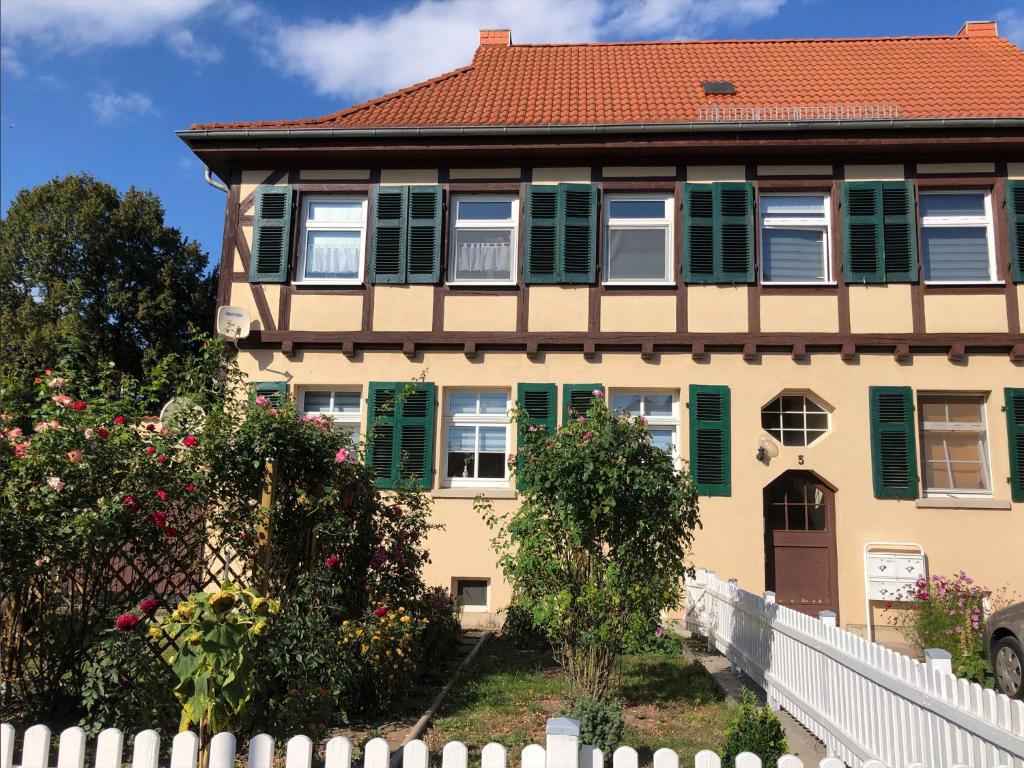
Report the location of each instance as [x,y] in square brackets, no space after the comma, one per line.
[1004,638]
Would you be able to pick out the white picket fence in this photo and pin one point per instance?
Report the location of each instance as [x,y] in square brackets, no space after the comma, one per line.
[562,750]
[865,702]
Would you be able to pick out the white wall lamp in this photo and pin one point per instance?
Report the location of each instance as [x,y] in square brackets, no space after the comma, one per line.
[767,449]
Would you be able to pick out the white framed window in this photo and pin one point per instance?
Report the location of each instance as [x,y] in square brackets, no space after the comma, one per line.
[661,409]
[342,405]
[957,241]
[795,419]
[474,595]
[638,239]
[795,235]
[483,239]
[332,240]
[477,438]
[954,444]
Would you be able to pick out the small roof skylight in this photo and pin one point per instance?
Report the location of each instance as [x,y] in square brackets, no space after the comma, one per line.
[718,86]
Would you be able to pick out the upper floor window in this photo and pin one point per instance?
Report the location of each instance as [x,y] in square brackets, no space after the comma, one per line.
[794,419]
[476,437]
[333,237]
[638,238]
[795,238]
[954,450]
[341,406]
[483,242]
[956,236]
[660,409]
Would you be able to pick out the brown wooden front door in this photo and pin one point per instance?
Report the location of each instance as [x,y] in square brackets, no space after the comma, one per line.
[800,542]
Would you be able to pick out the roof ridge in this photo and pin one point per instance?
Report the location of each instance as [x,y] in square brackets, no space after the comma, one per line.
[766,40]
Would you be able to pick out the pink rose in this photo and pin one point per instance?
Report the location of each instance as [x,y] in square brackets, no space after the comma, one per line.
[74,456]
[159,519]
[161,459]
[262,400]
[79,405]
[127,622]
[56,483]
[332,561]
[162,494]
[62,400]
[119,419]
[598,393]
[132,503]
[380,611]
[19,450]
[190,441]
[190,486]
[37,380]
[587,435]
[341,455]
[57,383]
[89,434]
[150,450]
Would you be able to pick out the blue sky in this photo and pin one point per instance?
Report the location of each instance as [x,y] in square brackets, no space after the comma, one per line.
[101,85]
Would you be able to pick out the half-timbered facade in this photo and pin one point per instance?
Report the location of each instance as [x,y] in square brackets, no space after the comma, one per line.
[802,261]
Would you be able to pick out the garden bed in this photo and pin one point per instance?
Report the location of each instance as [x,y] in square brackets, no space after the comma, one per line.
[508,694]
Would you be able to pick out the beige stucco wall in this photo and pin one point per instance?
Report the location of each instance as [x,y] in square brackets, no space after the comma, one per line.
[939,168]
[576,175]
[620,171]
[457,174]
[964,314]
[251,180]
[807,314]
[242,296]
[638,313]
[327,313]
[408,176]
[984,542]
[710,173]
[319,174]
[558,308]
[403,307]
[889,172]
[480,313]
[881,309]
[711,308]
[794,170]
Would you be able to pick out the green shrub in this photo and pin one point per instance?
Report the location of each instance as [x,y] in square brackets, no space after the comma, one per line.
[644,636]
[519,629]
[753,728]
[601,722]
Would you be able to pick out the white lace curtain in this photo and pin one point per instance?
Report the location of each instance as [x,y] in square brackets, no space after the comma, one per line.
[489,258]
[332,260]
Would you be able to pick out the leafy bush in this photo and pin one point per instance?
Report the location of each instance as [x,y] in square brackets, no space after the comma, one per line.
[601,722]
[753,728]
[519,628]
[642,637]
[600,540]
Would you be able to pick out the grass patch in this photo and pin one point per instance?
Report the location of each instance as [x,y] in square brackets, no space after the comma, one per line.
[507,695]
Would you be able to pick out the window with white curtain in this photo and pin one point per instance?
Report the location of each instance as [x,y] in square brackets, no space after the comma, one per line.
[660,409]
[476,438]
[638,238]
[957,245]
[483,239]
[333,240]
[795,238]
[341,406]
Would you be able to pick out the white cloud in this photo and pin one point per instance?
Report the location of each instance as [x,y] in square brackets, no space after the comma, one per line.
[1011,26]
[9,63]
[369,56]
[109,106]
[185,44]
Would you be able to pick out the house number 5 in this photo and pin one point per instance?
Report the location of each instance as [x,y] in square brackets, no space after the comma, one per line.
[800,459]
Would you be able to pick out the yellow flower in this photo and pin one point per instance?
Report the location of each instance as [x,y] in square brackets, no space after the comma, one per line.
[406,619]
[155,632]
[259,628]
[399,651]
[359,632]
[402,609]
[364,648]
[222,600]
[388,654]
[344,623]
[375,638]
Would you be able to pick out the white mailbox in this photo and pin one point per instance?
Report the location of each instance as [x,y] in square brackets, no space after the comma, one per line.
[891,570]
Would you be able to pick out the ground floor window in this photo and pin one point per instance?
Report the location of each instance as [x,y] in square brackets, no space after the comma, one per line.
[341,405]
[473,594]
[476,437]
[660,409]
[954,445]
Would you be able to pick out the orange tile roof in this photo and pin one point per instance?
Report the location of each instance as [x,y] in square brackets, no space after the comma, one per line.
[632,83]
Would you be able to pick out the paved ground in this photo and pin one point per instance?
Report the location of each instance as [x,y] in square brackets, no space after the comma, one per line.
[801,742]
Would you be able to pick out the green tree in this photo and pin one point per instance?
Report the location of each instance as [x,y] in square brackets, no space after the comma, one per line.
[95,275]
[600,541]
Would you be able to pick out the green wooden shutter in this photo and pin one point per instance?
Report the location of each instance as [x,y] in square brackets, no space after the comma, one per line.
[577,399]
[1015,436]
[578,236]
[424,233]
[1015,223]
[710,439]
[899,232]
[540,401]
[416,434]
[542,250]
[271,235]
[863,259]
[893,446]
[381,443]
[388,251]
[272,390]
[699,233]
[734,211]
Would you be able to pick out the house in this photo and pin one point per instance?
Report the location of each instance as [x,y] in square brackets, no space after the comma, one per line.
[801,260]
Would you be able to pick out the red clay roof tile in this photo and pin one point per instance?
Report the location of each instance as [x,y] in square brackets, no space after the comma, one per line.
[633,83]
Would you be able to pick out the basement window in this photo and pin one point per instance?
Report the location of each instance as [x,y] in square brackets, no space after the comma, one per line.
[473,594]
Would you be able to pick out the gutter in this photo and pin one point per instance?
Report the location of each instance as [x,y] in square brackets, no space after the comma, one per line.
[189,136]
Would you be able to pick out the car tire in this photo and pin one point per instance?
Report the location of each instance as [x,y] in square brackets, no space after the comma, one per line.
[1007,665]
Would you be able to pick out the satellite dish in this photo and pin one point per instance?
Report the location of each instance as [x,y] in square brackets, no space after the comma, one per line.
[180,413]
[233,322]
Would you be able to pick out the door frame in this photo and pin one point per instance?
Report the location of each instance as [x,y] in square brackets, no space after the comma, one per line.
[769,544]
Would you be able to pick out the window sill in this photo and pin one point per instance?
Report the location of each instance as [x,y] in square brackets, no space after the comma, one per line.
[954,283]
[470,284]
[327,283]
[639,284]
[950,502]
[798,284]
[472,493]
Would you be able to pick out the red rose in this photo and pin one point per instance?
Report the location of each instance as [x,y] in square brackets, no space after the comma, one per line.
[190,441]
[38,380]
[132,503]
[119,419]
[162,494]
[159,519]
[190,486]
[380,611]
[170,532]
[127,622]
[103,433]
[150,427]
[78,405]
[150,450]
[332,561]
[161,459]
[149,605]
